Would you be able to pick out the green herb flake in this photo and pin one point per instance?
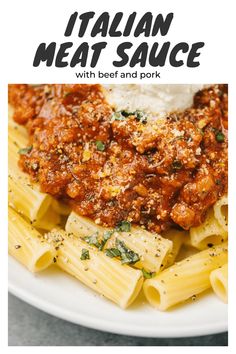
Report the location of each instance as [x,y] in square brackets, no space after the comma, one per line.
[117,116]
[25,151]
[107,235]
[127,256]
[93,240]
[100,145]
[148,275]
[140,116]
[220,137]
[122,115]
[84,254]
[121,246]
[127,114]
[123,226]
[112,252]
[176,165]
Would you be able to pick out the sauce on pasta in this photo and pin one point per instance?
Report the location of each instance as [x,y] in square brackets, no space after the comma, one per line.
[115,166]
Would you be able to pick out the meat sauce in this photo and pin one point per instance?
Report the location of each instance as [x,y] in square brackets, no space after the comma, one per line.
[115,166]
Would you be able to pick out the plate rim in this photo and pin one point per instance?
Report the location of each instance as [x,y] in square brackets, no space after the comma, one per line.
[104,325]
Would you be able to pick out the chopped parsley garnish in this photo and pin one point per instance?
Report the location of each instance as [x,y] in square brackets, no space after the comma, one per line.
[100,145]
[106,236]
[220,137]
[84,254]
[93,240]
[25,151]
[127,114]
[112,252]
[117,116]
[140,116]
[123,226]
[121,115]
[129,257]
[148,275]
[176,165]
[126,255]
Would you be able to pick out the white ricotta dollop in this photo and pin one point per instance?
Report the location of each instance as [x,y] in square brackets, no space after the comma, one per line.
[156,99]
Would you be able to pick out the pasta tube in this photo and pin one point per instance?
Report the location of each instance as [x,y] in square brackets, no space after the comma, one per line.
[219,282]
[60,207]
[18,135]
[185,279]
[209,233]
[221,212]
[24,196]
[48,221]
[10,113]
[27,245]
[177,237]
[152,249]
[117,282]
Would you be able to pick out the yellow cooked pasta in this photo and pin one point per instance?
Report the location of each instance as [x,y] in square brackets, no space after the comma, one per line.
[177,237]
[60,208]
[24,196]
[152,249]
[209,233]
[48,221]
[219,282]
[107,276]
[185,279]
[221,212]
[27,245]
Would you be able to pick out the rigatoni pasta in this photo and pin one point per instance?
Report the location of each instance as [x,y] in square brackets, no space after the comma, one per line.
[27,245]
[24,196]
[219,282]
[49,220]
[60,207]
[221,212]
[209,233]
[185,279]
[177,237]
[119,283]
[153,250]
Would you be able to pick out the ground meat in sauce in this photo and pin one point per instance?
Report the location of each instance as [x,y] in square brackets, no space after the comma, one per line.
[153,174]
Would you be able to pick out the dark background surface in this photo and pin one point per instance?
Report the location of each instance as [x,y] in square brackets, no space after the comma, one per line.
[30,326]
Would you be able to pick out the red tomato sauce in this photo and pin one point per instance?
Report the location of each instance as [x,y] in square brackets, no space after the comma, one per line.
[114,167]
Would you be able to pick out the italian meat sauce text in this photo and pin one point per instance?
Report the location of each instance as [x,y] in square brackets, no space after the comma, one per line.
[116,166]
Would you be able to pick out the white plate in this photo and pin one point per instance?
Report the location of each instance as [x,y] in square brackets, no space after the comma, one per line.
[63,296]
